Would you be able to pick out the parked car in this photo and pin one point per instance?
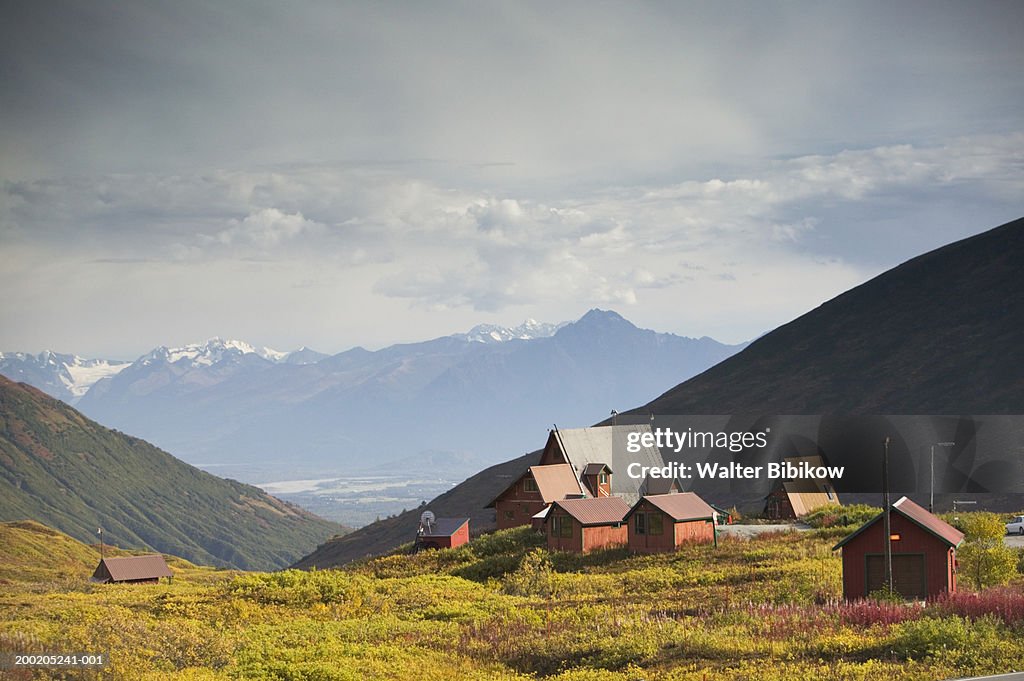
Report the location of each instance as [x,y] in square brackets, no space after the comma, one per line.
[1015,526]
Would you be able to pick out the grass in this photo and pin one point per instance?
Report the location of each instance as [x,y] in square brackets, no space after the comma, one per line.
[503,607]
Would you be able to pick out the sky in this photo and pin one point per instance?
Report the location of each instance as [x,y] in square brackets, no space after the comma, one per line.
[338,174]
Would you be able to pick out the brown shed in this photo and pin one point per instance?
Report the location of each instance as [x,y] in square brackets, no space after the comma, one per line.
[582,525]
[794,499]
[532,492]
[132,570]
[444,533]
[664,522]
[923,554]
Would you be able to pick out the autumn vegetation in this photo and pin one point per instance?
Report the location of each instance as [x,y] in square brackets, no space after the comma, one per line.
[503,607]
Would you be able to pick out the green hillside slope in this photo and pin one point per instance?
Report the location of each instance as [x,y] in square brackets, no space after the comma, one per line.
[61,469]
[940,334]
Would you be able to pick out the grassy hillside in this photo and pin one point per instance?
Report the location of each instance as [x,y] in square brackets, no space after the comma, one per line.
[59,468]
[465,500]
[34,553]
[504,608]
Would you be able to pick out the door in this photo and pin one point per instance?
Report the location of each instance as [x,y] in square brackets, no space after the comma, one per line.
[907,574]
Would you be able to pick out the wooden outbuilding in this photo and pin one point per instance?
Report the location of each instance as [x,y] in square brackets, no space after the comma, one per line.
[664,522]
[132,570]
[443,533]
[532,492]
[582,525]
[923,554]
[792,499]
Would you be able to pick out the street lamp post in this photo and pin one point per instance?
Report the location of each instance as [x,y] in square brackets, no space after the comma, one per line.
[931,493]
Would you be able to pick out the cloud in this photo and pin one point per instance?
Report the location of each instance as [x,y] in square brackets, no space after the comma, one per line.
[728,254]
[267,228]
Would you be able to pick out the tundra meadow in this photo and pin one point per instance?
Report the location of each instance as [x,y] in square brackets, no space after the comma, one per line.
[504,607]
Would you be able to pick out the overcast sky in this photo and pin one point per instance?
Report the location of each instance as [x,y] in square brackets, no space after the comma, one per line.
[332,174]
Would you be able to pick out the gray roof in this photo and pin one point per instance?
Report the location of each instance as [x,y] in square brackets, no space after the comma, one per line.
[607,445]
[445,527]
[129,568]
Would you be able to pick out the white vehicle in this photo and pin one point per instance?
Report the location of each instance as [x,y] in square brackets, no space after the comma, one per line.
[1015,526]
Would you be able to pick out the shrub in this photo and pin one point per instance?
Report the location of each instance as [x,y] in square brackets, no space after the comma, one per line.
[979,526]
[870,612]
[956,640]
[1004,604]
[841,516]
[534,576]
[986,563]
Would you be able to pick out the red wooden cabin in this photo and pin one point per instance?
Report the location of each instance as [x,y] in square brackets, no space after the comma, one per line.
[664,522]
[532,492]
[444,533]
[582,525]
[923,554]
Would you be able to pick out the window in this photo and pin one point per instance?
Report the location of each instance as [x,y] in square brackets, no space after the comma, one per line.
[654,523]
[529,485]
[603,478]
[510,515]
[640,523]
[561,526]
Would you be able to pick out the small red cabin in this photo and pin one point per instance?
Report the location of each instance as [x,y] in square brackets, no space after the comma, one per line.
[923,554]
[132,570]
[443,533]
[664,522]
[532,492]
[582,525]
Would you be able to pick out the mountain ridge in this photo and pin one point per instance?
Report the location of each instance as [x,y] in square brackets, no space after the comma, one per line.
[453,393]
[70,473]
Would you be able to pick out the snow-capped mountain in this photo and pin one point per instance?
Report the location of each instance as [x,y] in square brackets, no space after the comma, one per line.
[484,392]
[528,330]
[490,390]
[218,349]
[64,376]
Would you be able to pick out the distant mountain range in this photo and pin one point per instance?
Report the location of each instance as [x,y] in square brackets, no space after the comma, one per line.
[483,393]
[66,377]
[63,470]
[69,377]
[940,334]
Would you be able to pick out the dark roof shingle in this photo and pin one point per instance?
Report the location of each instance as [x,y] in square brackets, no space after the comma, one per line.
[445,527]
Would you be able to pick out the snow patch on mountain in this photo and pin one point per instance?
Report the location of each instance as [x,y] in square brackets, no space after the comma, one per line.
[528,330]
[55,372]
[216,349]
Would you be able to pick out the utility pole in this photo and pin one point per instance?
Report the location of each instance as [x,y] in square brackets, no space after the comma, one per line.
[99,531]
[931,494]
[885,514]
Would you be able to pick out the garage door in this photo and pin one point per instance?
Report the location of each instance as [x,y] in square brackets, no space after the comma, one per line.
[907,575]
